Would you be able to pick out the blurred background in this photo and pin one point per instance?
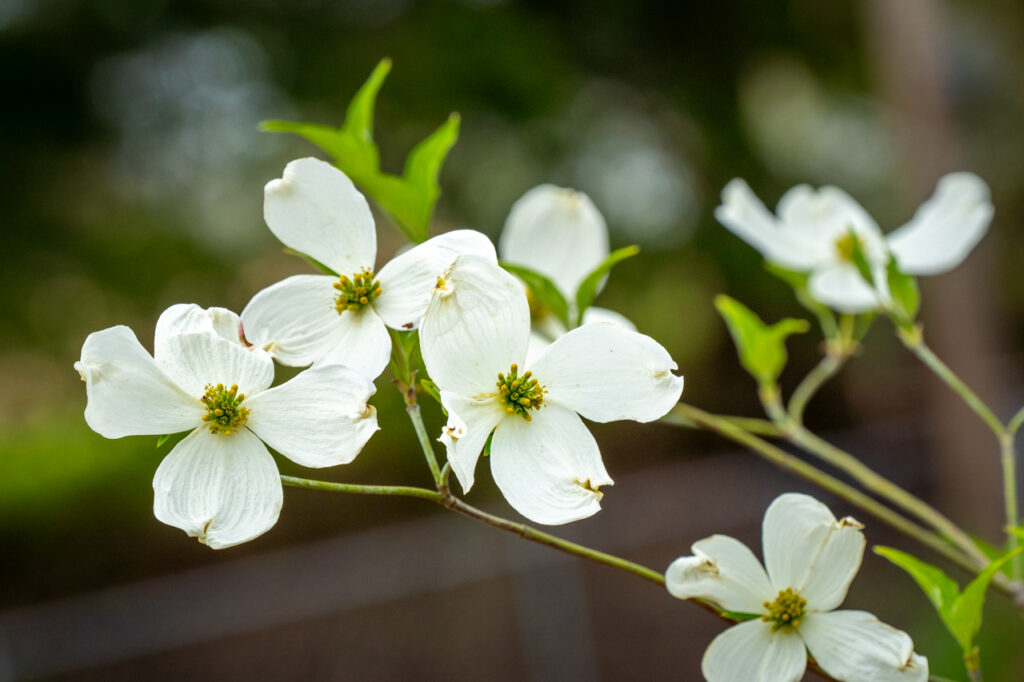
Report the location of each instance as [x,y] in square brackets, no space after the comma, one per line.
[132,175]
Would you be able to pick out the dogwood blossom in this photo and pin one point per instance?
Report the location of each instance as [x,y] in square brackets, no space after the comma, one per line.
[543,458]
[559,233]
[220,483]
[811,559]
[315,209]
[817,231]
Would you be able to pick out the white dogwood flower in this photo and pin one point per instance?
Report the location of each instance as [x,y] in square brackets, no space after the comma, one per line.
[220,483]
[811,559]
[813,231]
[315,209]
[543,458]
[559,233]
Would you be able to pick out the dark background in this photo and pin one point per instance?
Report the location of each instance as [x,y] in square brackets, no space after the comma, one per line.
[132,170]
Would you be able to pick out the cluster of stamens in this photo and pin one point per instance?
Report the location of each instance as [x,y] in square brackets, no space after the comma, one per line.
[786,611]
[356,291]
[847,245]
[519,394]
[224,413]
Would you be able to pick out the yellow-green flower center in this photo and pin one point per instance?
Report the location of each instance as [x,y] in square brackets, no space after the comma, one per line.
[356,291]
[520,394]
[224,411]
[847,245]
[786,611]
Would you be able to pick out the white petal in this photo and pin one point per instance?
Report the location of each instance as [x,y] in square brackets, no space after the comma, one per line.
[549,469]
[315,209]
[295,320]
[746,217]
[224,490]
[408,281]
[363,344]
[807,549]
[842,287]
[594,314]
[945,228]
[538,344]
[557,232]
[751,652]
[320,418]
[186,318]
[606,372]
[857,647]
[469,424]
[128,393]
[724,571]
[477,325]
[200,359]
[824,216]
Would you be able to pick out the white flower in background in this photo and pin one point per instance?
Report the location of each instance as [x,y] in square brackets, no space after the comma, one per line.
[813,232]
[545,462]
[811,559]
[220,484]
[559,233]
[316,210]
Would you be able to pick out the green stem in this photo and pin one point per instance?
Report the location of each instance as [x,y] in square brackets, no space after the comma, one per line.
[808,472]
[1008,458]
[395,490]
[915,343]
[428,448]
[815,379]
[1015,423]
[972,661]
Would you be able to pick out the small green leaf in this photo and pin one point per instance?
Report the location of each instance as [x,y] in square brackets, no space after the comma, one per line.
[487,445]
[906,297]
[739,615]
[940,589]
[964,617]
[761,347]
[312,261]
[409,198]
[162,439]
[1017,530]
[852,246]
[587,290]
[430,388]
[798,282]
[960,611]
[544,290]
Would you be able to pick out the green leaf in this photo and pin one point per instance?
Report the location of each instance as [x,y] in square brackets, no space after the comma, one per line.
[430,388]
[587,290]
[487,445]
[739,615]
[312,261]
[960,611]
[798,283]
[162,439]
[761,347]
[544,290]
[1017,530]
[851,246]
[409,198]
[906,297]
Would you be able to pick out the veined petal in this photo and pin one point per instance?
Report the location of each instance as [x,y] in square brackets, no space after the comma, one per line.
[128,393]
[606,372]
[295,320]
[751,652]
[203,358]
[549,469]
[223,490]
[807,549]
[408,281]
[945,228]
[477,325]
[746,217]
[724,571]
[363,344]
[320,418]
[314,208]
[186,318]
[856,646]
[841,287]
[557,232]
[470,422]
[594,314]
